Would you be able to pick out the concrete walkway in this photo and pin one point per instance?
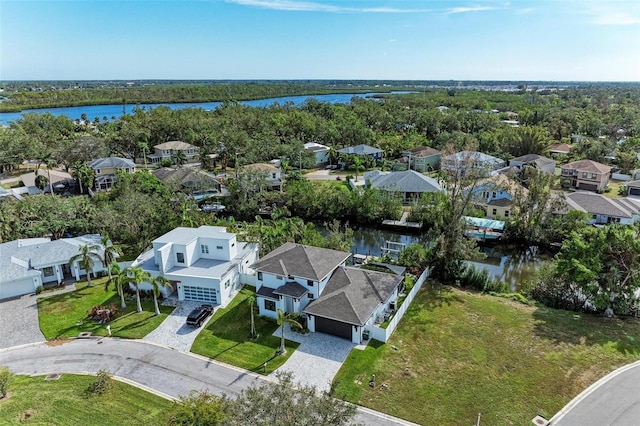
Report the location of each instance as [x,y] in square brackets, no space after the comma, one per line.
[19,321]
[174,331]
[317,359]
[152,367]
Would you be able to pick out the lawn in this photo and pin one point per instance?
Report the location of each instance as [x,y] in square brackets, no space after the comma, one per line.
[63,402]
[226,338]
[65,315]
[457,354]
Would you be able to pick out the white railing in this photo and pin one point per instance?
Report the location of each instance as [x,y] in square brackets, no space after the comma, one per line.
[383,334]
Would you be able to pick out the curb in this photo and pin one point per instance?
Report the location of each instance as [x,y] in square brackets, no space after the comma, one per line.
[588,391]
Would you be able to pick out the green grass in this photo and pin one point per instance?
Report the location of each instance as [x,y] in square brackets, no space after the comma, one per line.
[226,338]
[12,184]
[65,315]
[459,354]
[35,401]
[614,186]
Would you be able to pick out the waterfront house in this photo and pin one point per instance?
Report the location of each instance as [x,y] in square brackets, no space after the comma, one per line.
[409,184]
[604,210]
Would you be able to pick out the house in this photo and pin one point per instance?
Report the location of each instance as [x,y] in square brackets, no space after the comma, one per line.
[422,158]
[634,188]
[105,170]
[32,262]
[603,210]
[587,175]
[205,264]
[321,152]
[315,282]
[168,149]
[272,174]
[471,162]
[539,162]
[195,182]
[363,150]
[495,194]
[409,183]
[559,149]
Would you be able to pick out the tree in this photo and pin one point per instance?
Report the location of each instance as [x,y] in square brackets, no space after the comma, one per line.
[157,284]
[136,277]
[252,302]
[87,259]
[49,162]
[109,253]
[199,409]
[283,319]
[179,158]
[41,182]
[84,174]
[357,165]
[119,278]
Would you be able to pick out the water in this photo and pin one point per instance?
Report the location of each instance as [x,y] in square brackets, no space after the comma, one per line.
[111,111]
[369,241]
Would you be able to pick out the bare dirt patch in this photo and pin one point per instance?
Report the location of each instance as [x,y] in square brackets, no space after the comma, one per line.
[6,397]
[57,342]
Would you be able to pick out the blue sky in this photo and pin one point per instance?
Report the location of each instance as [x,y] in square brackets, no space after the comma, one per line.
[575,40]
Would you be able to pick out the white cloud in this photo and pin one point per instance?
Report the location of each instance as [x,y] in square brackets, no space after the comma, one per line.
[393,40]
[525,11]
[469,9]
[612,15]
[304,6]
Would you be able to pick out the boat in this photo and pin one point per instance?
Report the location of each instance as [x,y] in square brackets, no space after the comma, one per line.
[483,229]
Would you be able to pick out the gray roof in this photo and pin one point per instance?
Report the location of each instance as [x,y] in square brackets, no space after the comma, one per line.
[312,263]
[633,184]
[407,181]
[463,157]
[587,166]
[111,163]
[22,258]
[360,150]
[267,292]
[599,204]
[292,289]
[422,152]
[534,158]
[353,294]
[185,176]
[396,269]
[183,235]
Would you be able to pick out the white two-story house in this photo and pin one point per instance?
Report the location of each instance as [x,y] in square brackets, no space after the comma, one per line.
[206,264]
[316,283]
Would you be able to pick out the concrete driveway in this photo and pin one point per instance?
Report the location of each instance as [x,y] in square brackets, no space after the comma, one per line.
[174,331]
[317,359]
[19,321]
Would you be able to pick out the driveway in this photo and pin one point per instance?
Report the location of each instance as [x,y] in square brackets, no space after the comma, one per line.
[317,359]
[19,321]
[174,331]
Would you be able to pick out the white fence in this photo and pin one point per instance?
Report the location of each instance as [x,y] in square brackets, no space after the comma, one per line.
[383,334]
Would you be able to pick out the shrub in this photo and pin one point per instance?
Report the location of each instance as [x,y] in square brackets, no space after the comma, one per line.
[5,379]
[39,289]
[102,314]
[101,384]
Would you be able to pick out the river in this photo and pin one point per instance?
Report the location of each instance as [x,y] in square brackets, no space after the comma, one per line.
[511,264]
[116,111]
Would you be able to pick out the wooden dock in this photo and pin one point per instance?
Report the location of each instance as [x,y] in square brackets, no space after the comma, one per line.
[402,223]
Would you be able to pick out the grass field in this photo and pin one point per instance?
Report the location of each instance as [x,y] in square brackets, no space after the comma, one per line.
[34,401]
[226,338]
[65,315]
[457,354]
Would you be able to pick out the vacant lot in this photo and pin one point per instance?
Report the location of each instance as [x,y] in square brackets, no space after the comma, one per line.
[65,315]
[457,354]
[226,338]
[64,402]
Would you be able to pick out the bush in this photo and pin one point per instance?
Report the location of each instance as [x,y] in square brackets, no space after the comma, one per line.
[513,296]
[102,383]
[102,313]
[479,279]
[39,289]
[5,379]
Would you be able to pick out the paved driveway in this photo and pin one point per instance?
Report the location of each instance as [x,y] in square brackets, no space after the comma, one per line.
[317,359]
[19,321]
[174,331]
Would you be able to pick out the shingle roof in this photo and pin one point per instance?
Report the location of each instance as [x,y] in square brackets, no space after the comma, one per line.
[462,157]
[423,151]
[633,184]
[261,166]
[406,181]
[353,294]
[174,145]
[561,148]
[291,289]
[534,158]
[312,263]
[599,204]
[360,150]
[587,166]
[111,163]
[182,175]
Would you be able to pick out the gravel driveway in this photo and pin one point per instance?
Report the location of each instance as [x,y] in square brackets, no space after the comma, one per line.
[317,359]
[19,321]
[174,332]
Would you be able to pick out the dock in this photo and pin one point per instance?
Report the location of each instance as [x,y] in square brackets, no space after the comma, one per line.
[402,223]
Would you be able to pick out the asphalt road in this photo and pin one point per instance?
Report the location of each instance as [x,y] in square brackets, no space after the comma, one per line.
[613,400]
[166,371]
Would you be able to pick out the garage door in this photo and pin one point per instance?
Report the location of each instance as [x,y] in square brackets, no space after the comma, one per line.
[336,328]
[588,186]
[200,294]
[17,288]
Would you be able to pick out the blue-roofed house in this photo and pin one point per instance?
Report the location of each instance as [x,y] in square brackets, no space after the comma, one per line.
[495,194]
[363,150]
[471,163]
[410,184]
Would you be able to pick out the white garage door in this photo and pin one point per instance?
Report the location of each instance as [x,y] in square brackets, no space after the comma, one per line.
[200,294]
[17,288]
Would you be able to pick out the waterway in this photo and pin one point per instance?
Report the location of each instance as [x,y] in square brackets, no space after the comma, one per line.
[512,264]
[112,112]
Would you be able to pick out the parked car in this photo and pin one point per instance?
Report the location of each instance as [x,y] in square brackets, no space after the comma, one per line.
[198,316]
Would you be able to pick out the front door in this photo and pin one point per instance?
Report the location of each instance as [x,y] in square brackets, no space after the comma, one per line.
[288,304]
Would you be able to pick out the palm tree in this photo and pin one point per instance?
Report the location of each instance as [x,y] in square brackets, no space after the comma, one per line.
[158,283]
[252,301]
[119,278]
[283,319]
[357,164]
[41,182]
[49,162]
[109,253]
[87,259]
[179,158]
[136,277]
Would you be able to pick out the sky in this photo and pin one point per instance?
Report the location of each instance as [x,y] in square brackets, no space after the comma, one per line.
[555,40]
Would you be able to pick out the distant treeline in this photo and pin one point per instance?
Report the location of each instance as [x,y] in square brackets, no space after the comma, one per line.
[53,95]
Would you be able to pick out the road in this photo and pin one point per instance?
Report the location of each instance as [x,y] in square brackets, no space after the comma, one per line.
[168,372]
[613,400]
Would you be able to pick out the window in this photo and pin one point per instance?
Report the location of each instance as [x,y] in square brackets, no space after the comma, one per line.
[506,213]
[219,247]
[270,305]
[226,284]
[273,175]
[259,276]
[310,295]
[204,248]
[495,211]
[48,271]
[233,244]
[180,257]
[97,171]
[126,170]
[278,277]
[493,195]
[310,283]
[585,175]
